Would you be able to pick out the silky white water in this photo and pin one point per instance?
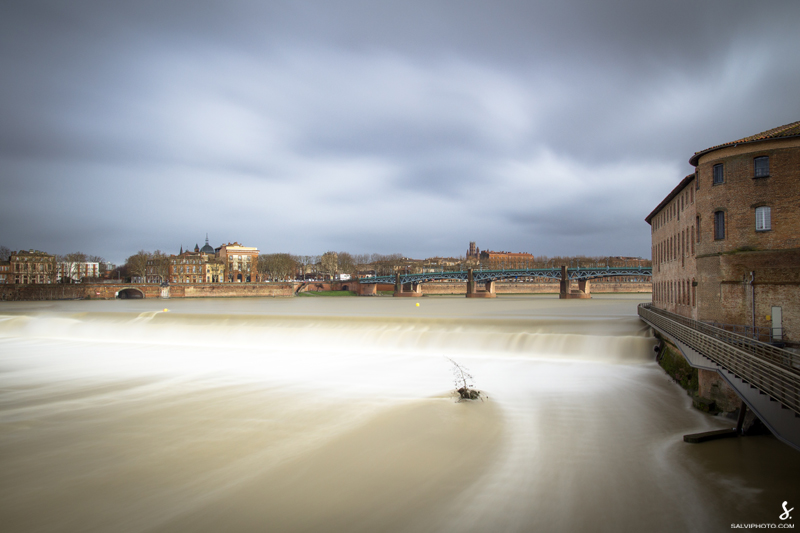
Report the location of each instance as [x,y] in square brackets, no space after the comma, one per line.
[336,414]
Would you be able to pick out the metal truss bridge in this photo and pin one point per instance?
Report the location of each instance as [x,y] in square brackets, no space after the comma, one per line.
[556,274]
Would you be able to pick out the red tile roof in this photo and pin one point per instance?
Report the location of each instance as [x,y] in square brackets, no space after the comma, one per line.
[788,130]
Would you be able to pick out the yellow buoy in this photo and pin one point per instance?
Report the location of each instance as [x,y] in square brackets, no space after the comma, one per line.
[417,304]
[166,310]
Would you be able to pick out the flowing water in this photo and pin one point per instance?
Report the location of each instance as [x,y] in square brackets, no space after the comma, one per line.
[336,414]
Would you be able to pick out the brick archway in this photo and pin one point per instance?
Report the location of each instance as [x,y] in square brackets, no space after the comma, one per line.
[130,293]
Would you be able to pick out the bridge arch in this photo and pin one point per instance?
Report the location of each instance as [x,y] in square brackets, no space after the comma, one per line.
[130,293]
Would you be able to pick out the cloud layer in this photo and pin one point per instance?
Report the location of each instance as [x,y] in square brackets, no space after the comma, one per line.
[413,128]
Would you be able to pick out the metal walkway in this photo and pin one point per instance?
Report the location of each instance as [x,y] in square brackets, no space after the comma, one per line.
[766,378]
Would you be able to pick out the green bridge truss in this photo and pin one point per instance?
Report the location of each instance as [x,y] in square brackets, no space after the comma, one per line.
[497,275]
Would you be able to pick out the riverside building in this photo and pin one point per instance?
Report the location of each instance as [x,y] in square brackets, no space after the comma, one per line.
[31,266]
[726,240]
[240,262]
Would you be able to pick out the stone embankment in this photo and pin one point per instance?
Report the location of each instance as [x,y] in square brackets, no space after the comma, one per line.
[108,291]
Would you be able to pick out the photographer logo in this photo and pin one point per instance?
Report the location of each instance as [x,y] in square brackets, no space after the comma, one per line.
[787,512]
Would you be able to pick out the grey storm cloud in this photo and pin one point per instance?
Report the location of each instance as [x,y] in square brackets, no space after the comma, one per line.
[412,127]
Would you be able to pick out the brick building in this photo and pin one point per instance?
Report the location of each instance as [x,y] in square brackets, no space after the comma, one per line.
[674,232]
[241,262]
[5,269]
[200,266]
[506,259]
[31,266]
[734,255]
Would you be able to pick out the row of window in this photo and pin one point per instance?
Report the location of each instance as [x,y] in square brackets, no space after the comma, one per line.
[763,221]
[675,208]
[760,169]
[28,267]
[676,246]
[682,292]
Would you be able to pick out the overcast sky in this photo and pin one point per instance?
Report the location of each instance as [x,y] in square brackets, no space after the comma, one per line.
[414,127]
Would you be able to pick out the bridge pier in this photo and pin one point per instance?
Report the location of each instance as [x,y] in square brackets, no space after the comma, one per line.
[565,293]
[399,288]
[367,289]
[584,286]
[474,292]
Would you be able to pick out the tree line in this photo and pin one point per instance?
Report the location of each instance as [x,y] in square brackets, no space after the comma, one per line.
[332,265]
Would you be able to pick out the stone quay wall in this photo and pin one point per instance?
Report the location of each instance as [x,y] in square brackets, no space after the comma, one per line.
[108,291]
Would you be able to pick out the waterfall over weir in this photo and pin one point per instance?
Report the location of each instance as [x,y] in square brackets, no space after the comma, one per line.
[298,415]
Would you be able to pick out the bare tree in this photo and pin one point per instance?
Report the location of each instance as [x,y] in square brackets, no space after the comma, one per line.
[159,263]
[69,265]
[463,382]
[5,253]
[277,267]
[329,263]
[303,263]
[137,265]
[346,263]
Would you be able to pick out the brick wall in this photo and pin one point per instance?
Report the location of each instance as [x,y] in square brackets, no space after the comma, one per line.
[726,295]
[740,194]
[674,235]
[724,265]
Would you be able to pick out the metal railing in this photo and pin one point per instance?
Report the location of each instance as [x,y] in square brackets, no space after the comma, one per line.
[553,274]
[768,334]
[774,371]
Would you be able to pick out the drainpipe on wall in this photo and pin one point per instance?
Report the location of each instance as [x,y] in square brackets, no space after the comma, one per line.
[753,298]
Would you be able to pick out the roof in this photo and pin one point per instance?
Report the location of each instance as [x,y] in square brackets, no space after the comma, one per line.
[675,192]
[35,253]
[781,132]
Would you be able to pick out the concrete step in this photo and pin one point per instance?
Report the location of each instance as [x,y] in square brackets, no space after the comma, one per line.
[706,436]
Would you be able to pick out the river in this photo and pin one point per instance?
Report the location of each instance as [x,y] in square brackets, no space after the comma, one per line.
[336,414]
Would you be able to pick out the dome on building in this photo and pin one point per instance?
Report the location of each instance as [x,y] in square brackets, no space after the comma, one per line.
[207,248]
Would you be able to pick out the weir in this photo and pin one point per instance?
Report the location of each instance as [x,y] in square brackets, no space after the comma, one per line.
[241,414]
